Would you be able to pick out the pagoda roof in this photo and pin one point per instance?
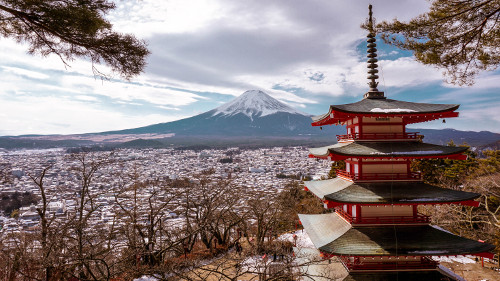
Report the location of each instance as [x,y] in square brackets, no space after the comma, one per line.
[400,149]
[345,191]
[385,107]
[332,234]
[431,275]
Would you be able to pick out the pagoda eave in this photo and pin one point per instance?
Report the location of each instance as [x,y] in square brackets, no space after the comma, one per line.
[339,191]
[332,234]
[332,204]
[340,157]
[338,117]
[396,275]
[410,112]
[387,150]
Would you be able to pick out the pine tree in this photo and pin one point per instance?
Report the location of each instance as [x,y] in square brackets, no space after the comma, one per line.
[460,36]
[71,29]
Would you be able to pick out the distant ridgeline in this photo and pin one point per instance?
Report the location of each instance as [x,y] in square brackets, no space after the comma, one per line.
[254,119]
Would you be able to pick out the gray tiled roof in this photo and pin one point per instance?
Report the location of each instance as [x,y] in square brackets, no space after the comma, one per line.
[332,234]
[401,240]
[429,275]
[388,106]
[344,191]
[386,149]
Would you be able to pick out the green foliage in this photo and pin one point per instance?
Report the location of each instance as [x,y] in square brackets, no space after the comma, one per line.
[335,166]
[14,213]
[71,29]
[295,200]
[446,172]
[460,36]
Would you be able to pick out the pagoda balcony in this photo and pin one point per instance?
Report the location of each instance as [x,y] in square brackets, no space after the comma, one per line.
[418,219]
[412,176]
[355,264]
[379,136]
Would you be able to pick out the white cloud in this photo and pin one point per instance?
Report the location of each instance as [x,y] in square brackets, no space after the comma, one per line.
[53,115]
[148,17]
[402,72]
[305,50]
[25,72]
[130,92]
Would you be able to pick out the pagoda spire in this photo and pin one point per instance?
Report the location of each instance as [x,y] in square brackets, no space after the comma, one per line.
[373,93]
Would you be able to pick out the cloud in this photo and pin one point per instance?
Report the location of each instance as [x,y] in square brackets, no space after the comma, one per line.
[125,91]
[400,73]
[53,115]
[149,17]
[261,44]
[26,73]
[304,53]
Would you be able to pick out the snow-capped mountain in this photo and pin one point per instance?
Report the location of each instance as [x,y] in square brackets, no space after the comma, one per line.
[254,103]
[252,118]
[253,113]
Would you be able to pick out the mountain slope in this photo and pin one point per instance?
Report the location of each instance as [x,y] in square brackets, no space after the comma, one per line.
[253,118]
[254,103]
[254,113]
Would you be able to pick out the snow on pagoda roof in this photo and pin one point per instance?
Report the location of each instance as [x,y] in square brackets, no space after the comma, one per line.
[322,188]
[386,107]
[399,240]
[410,149]
[345,191]
[324,228]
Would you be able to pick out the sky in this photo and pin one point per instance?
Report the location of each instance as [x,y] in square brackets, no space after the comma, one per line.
[307,54]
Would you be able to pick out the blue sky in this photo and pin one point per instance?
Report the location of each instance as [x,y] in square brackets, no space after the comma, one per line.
[308,54]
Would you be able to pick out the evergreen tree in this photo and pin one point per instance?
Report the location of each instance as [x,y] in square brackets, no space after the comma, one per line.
[71,29]
[461,36]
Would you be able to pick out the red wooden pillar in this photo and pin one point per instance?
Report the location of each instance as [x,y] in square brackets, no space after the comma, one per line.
[360,167]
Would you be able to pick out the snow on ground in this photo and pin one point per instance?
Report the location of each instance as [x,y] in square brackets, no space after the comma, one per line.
[460,259]
[303,240]
[146,278]
[255,263]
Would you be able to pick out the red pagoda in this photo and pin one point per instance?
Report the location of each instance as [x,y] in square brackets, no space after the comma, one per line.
[376,229]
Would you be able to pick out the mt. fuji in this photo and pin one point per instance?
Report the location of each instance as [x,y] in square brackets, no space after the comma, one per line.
[254,103]
[253,119]
[254,113]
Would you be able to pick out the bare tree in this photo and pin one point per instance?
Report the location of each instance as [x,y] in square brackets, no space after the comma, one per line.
[215,208]
[88,253]
[144,208]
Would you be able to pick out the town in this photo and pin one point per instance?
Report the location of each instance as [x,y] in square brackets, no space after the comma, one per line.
[267,170]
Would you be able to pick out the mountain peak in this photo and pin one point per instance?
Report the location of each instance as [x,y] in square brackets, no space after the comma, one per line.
[254,103]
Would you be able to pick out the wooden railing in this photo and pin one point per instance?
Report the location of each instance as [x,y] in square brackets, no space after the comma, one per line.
[379,176]
[380,136]
[355,263]
[419,218]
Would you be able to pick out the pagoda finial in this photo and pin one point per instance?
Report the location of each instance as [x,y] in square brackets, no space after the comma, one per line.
[373,93]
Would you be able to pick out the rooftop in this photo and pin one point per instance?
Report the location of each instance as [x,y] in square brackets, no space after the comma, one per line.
[407,149]
[345,191]
[332,234]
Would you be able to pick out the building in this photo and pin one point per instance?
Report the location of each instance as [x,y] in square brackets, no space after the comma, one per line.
[376,229]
